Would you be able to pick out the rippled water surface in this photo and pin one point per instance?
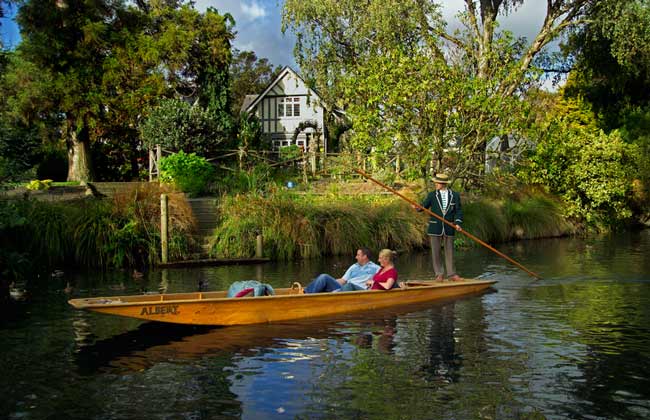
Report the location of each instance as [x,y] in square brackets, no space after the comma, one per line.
[575,344]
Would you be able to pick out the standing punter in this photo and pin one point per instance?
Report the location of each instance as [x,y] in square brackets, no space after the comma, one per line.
[446,204]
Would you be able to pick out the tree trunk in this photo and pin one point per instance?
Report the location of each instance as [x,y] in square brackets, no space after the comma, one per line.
[79,161]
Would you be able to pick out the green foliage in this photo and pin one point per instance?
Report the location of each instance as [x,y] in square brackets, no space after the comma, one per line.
[290,152]
[249,132]
[612,59]
[87,72]
[13,261]
[590,170]
[179,126]
[255,179]
[188,172]
[484,219]
[433,96]
[37,184]
[19,146]
[249,75]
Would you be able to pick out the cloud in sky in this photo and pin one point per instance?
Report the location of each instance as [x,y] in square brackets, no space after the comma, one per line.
[253,10]
[258,26]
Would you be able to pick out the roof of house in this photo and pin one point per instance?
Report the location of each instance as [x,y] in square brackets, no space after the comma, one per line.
[248,99]
[248,106]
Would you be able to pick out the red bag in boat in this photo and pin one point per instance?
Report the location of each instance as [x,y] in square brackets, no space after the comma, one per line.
[245,292]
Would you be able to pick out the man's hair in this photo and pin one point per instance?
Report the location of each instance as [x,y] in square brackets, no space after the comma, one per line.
[366,252]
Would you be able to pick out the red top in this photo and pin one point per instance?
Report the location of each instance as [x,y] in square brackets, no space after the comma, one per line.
[382,278]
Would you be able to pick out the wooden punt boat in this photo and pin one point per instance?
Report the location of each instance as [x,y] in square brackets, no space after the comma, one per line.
[215,308]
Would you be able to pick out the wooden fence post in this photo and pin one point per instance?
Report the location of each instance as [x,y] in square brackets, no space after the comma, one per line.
[163,228]
[259,246]
[151,163]
[158,158]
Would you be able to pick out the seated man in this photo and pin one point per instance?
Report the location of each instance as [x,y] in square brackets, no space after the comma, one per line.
[354,278]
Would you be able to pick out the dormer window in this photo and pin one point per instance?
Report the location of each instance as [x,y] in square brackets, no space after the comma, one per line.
[289,107]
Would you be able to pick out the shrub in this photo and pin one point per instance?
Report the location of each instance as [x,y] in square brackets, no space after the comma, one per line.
[36,184]
[177,125]
[188,172]
[94,233]
[592,171]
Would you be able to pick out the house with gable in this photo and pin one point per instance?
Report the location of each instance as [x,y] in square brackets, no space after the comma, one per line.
[290,113]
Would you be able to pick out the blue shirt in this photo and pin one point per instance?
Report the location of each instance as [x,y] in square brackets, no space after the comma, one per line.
[358,274]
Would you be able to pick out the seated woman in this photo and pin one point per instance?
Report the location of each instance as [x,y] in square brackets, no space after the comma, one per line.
[386,277]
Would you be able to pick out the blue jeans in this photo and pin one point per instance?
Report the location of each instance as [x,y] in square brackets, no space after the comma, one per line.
[349,287]
[323,283]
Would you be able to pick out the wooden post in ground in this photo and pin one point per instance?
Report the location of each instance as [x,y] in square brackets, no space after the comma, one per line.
[312,159]
[259,246]
[163,228]
[397,166]
[151,163]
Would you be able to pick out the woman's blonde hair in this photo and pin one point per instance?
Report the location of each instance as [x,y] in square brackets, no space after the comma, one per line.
[389,254]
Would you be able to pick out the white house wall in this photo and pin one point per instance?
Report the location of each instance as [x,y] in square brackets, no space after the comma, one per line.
[284,127]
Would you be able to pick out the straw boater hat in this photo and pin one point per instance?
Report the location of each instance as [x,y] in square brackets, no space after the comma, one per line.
[441,179]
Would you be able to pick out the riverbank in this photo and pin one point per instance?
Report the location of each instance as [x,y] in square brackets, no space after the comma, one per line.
[123,230]
[296,226]
[108,233]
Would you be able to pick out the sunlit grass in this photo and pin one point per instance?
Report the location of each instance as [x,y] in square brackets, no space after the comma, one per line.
[312,226]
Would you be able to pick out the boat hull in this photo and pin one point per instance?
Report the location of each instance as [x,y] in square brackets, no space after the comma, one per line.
[214,308]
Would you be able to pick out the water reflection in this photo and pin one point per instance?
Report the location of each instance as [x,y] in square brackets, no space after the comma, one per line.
[572,345]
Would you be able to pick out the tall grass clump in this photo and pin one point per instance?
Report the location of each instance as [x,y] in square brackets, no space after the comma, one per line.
[138,238]
[526,215]
[484,219]
[123,232]
[46,234]
[311,226]
[534,217]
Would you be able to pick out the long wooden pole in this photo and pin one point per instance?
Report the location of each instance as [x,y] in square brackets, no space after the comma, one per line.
[464,232]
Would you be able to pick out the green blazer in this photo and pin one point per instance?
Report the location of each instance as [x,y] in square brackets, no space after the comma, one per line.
[454,213]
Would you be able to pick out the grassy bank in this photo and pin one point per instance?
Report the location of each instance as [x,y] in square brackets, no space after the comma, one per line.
[113,233]
[308,226]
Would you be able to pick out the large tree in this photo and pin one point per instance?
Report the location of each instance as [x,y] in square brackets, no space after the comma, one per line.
[69,41]
[102,63]
[611,59]
[402,76]
[249,75]
[176,52]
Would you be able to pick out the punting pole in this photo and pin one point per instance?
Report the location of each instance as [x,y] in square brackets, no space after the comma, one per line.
[429,212]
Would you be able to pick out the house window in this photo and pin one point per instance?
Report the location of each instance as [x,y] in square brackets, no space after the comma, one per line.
[289,107]
[280,142]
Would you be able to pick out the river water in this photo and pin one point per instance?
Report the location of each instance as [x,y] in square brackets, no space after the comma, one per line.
[574,345]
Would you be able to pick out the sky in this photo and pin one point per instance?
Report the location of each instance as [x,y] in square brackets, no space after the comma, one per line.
[258,25]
